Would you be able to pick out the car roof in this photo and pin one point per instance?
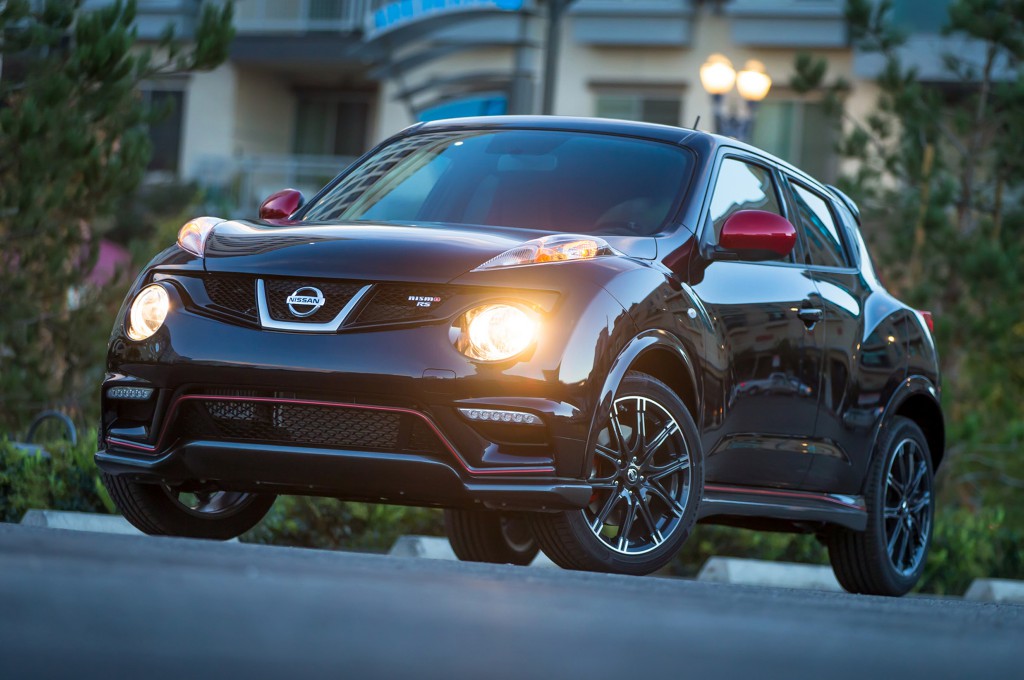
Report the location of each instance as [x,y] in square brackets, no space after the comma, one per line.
[706,143]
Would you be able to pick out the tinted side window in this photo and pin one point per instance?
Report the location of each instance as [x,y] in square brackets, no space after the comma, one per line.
[820,233]
[741,186]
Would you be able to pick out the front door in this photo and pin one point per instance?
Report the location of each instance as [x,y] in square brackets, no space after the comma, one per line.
[763,370]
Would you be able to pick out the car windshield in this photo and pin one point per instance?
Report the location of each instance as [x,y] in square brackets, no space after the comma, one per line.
[529,179]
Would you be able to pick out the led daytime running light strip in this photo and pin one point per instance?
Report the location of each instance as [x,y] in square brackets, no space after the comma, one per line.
[500,416]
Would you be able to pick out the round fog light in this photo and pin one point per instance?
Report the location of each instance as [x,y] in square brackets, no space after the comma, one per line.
[148,311]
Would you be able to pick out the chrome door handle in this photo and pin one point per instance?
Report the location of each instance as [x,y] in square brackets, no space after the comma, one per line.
[811,315]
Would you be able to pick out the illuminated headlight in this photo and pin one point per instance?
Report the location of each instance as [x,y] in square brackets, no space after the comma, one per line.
[554,248]
[131,393]
[148,311]
[496,332]
[489,415]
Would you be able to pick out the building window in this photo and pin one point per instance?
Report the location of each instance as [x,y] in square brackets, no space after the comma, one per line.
[332,124]
[659,105]
[921,16]
[165,131]
[800,132]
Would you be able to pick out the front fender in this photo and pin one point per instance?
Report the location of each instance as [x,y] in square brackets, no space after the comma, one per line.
[644,342]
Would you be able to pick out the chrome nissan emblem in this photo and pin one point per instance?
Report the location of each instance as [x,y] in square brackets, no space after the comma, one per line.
[306,301]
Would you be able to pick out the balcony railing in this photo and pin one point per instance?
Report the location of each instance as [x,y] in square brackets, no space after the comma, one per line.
[300,16]
[237,186]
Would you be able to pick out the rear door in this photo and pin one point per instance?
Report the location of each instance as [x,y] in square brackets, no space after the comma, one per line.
[847,404]
[763,368]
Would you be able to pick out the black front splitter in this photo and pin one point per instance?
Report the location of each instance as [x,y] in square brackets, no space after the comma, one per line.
[378,477]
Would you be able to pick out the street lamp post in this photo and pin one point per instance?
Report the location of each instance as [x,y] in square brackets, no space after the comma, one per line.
[718,77]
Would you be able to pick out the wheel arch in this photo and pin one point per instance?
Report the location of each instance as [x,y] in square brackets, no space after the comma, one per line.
[659,354]
[918,399]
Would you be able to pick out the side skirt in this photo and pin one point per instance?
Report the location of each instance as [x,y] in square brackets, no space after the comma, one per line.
[722,503]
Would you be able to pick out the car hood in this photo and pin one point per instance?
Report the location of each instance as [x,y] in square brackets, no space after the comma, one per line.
[390,252]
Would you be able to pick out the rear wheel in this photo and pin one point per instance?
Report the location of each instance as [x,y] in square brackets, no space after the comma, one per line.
[161,510]
[647,474]
[486,536]
[888,557]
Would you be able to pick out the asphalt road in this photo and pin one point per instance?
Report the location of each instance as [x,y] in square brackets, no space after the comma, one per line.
[81,605]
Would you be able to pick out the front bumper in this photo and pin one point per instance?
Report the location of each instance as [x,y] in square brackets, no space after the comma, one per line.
[412,370]
[376,477]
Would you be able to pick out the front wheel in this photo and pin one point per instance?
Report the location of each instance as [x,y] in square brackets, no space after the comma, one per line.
[647,474]
[161,510]
[888,557]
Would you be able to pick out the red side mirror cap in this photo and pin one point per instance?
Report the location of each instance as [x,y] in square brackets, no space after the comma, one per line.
[282,205]
[757,235]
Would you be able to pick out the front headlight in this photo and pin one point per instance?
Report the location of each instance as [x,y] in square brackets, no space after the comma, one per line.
[495,332]
[148,311]
[192,236]
[555,248]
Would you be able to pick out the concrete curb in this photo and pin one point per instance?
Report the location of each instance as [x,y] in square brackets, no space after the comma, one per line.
[83,521]
[995,590]
[79,521]
[761,573]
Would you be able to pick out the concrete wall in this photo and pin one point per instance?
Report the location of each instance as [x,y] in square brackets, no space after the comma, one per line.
[209,121]
[265,109]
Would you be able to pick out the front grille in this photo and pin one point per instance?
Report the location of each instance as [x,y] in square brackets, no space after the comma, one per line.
[305,424]
[393,303]
[336,295]
[235,294]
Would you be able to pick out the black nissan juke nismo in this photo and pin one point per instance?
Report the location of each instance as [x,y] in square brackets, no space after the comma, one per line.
[577,335]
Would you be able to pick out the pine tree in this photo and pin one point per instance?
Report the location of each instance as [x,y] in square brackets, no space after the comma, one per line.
[73,146]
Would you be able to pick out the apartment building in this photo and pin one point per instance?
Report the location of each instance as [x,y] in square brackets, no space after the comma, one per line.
[311,84]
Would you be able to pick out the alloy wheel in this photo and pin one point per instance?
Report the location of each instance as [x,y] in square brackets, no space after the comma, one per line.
[907,507]
[640,477]
[209,504]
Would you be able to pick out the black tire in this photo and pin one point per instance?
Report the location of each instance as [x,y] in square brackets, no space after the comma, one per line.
[156,510]
[485,536]
[581,539]
[901,507]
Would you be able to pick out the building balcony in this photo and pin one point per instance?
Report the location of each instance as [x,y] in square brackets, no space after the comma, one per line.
[153,16]
[643,23]
[301,16]
[788,23]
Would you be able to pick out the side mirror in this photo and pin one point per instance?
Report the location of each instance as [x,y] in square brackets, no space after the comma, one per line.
[755,235]
[281,205]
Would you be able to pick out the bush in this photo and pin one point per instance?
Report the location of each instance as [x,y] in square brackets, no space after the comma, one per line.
[969,545]
[711,540]
[331,524]
[67,480]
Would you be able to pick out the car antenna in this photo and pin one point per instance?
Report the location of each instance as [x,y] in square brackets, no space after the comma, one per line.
[696,123]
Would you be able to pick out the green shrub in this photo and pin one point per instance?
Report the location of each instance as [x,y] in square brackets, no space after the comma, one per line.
[969,545]
[711,540]
[332,524]
[67,480]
